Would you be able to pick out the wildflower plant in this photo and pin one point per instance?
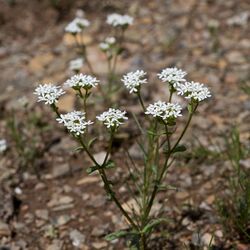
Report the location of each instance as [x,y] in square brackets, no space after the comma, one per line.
[112,46]
[159,122]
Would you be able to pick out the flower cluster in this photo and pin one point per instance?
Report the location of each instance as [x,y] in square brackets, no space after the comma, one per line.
[107,44]
[133,80]
[118,20]
[76,64]
[173,76]
[75,122]
[164,110]
[193,90]
[81,81]
[48,93]
[77,25]
[3,145]
[112,118]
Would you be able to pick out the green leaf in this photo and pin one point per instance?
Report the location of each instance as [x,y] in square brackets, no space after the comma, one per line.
[180,148]
[118,234]
[109,164]
[91,142]
[153,223]
[80,148]
[92,169]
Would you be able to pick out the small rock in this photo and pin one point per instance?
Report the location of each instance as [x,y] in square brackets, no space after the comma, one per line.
[206,239]
[210,199]
[88,180]
[100,245]
[182,195]
[56,245]
[61,170]
[40,186]
[62,220]
[42,214]
[235,57]
[77,238]
[219,233]
[99,157]
[57,201]
[98,231]
[135,152]
[4,229]
[97,201]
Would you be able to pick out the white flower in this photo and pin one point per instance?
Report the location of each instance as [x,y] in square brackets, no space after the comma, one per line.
[133,80]
[81,81]
[108,43]
[76,64]
[173,76]
[77,25]
[75,122]
[48,93]
[112,117]
[119,20]
[164,110]
[3,145]
[193,90]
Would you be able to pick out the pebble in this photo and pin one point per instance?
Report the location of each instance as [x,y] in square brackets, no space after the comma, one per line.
[4,229]
[62,220]
[99,157]
[61,170]
[77,238]
[56,245]
[100,245]
[42,214]
[88,180]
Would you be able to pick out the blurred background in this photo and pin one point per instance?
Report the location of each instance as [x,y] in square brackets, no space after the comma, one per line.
[46,199]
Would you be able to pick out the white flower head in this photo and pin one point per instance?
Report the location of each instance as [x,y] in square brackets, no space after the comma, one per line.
[117,20]
[75,122]
[112,118]
[48,93]
[3,145]
[81,81]
[76,64]
[193,90]
[77,25]
[133,80]
[107,44]
[173,76]
[164,110]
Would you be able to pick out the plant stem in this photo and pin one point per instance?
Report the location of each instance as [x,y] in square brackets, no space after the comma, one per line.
[141,101]
[107,185]
[166,165]
[142,242]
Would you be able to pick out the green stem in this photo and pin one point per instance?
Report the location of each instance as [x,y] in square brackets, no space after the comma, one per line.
[141,101]
[107,185]
[55,109]
[166,165]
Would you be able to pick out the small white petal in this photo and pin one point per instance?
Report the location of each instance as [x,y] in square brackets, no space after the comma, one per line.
[173,76]
[75,122]
[48,93]
[81,81]
[77,25]
[119,20]
[193,90]
[164,110]
[112,117]
[133,80]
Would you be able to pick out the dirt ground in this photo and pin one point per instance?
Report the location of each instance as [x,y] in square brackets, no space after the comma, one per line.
[51,202]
